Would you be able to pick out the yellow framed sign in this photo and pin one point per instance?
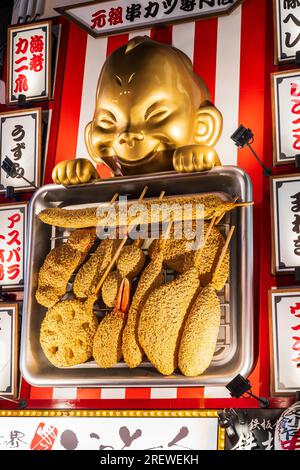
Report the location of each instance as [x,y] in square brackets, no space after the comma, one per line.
[110,430]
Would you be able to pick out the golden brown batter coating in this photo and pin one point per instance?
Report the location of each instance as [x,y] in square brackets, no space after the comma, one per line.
[81,218]
[200,333]
[151,278]
[60,264]
[90,273]
[179,258]
[162,317]
[107,349]
[67,333]
[131,261]
[110,288]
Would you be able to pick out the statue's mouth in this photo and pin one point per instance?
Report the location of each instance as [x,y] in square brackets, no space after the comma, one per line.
[159,147]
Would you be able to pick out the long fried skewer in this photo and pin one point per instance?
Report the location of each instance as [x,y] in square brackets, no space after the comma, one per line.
[214,206]
[201,329]
[162,316]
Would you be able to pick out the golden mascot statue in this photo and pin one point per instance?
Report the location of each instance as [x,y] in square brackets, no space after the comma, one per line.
[152,113]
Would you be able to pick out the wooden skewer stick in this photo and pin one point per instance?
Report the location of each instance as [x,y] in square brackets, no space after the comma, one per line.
[140,241]
[201,249]
[223,252]
[117,253]
[223,213]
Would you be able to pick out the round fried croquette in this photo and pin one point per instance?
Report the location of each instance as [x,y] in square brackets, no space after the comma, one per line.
[67,333]
[131,261]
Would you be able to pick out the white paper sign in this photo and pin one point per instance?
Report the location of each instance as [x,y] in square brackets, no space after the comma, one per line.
[12,245]
[286,116]
[287,29]
[29,56]
[20,141]
[285,311]
[75,433]
[286,223]
[114,16]
[8,345]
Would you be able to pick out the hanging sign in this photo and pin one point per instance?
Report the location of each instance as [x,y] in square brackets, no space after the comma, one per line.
[8,349]
[29,57]
[284,311]
[116,16]
[20,141]
[113,430]
[285,213]
[287,32]
[12,245]
[286,116]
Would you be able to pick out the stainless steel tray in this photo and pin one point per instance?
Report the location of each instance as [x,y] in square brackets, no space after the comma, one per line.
[234,351]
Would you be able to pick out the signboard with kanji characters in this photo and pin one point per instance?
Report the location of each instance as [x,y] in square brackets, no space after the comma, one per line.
[20,141]
[29,62]
[8,349]
[12,245]
[284,307]
[286,116]
[100,18]
[285,213]
[287,32]
[119,431]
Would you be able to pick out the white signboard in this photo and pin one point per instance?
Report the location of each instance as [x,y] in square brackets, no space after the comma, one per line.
[114,16]
[285,342]
[12,245]
[287,23]
[285,212]
[106,433]
[20,141]
[8,349]
[286,116]
[29,56]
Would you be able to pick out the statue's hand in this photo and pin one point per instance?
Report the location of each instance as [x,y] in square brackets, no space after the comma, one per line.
[79,170]
[195,158]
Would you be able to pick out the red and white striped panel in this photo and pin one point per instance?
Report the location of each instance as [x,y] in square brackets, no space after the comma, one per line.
[48,393]
[214,48]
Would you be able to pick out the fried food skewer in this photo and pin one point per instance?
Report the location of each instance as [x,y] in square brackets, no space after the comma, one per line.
[214,206]
[163,314]
[60,264]
[107,347]
[201,329]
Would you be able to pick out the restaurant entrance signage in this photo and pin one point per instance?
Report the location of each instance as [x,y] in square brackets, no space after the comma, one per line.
[285,213]
[287,32]
[100,18]
[29,62]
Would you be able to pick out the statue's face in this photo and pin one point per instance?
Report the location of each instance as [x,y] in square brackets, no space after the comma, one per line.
[144,105]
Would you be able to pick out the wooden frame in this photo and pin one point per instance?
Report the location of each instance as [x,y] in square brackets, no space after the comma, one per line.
[38,145]
[25,27]
[274,268]
[119,414]
[277,59]
[64,12]
[13,391]
[275,386]
[11,205]
[276,115]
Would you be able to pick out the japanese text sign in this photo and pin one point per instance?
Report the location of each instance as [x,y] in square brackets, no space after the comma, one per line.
[99,432]
[285,211]
[286,116]
[8,349]
[114,16]
[287,22]
[284,308]
[29,55]
[12,245]
[20,141]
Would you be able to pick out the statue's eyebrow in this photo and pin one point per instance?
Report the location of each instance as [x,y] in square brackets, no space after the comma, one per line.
[131,77]
[119,80]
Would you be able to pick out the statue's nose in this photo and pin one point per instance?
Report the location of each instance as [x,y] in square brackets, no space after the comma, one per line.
[130,138]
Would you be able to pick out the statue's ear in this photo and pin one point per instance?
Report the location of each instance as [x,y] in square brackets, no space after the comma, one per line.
[89,142]
[208,125]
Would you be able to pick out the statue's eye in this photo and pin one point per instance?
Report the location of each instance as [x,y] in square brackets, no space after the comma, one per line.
[107,123]
[157,115]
